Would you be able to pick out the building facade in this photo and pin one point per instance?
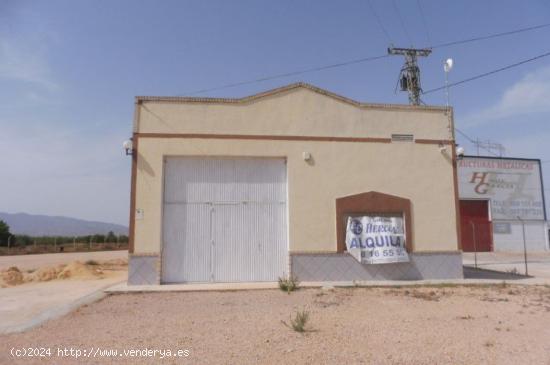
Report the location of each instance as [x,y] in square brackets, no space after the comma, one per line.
[252,189]
[500,199]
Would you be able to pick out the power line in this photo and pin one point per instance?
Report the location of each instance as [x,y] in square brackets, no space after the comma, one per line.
[379,21]
[360,60]
[490,36]
[401,21]
[424,21]
[488,73]
[293,73]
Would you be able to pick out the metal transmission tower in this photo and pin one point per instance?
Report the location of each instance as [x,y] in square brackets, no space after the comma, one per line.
[409,78]
[490,147]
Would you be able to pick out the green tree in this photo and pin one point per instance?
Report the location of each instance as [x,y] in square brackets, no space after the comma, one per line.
[111,237]
[4,233]
[98,238]
[23,240]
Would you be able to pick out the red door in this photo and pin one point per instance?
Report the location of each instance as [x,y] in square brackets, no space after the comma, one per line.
[475,227]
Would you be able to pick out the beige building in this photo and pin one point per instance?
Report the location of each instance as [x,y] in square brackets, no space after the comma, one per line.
[252,189]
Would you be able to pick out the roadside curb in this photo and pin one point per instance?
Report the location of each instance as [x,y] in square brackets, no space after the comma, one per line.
[124,288]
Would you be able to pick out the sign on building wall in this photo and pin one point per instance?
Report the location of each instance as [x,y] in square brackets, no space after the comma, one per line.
[513,186]
[502,228]
[376,240]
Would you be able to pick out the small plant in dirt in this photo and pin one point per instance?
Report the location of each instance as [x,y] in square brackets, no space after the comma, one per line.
[288,284]
[430,296]
[298,323]
[92,262]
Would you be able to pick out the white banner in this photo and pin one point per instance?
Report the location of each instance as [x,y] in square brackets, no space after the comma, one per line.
[376,240]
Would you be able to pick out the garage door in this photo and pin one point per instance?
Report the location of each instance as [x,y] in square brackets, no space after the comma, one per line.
[224,220]
[476,230]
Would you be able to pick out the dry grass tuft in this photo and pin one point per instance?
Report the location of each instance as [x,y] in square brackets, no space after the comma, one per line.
[289,284]
[430,296]
[299,321]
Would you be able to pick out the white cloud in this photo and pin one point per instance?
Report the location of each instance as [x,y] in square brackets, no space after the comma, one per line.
[528,96]
[26,62]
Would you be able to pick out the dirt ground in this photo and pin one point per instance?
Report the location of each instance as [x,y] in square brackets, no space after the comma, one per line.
[501,324]
[28,262]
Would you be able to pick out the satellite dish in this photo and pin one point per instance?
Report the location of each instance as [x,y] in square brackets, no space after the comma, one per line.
[448,64]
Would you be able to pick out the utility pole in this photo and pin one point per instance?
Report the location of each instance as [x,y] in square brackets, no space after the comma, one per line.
[475,243]
[409,77]
[524,245]
[447,67]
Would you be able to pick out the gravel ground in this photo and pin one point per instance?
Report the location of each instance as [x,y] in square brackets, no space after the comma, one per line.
[452,325]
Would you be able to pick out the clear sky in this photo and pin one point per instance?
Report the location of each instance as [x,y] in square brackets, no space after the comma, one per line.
[69,71]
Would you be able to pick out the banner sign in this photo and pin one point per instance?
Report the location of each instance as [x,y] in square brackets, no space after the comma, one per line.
[376,240]
[513,186]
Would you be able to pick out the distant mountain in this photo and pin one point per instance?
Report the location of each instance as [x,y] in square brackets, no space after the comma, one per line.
[45,225]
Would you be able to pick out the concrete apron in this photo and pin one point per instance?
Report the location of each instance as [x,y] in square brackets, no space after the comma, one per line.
[53,313]
[30,305]
[195,287]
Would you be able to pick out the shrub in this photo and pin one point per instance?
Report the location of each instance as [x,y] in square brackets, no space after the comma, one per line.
[298,323]
[92,262]
[288,284]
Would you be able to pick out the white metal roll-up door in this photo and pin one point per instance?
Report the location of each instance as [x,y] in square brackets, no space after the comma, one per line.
[224,220]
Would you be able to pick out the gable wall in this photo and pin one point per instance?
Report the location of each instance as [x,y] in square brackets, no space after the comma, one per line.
[297,112]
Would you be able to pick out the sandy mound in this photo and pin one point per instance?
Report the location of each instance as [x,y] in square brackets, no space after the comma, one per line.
[12,276]
[75,270]
[78,270]
[114,264]
[45,274]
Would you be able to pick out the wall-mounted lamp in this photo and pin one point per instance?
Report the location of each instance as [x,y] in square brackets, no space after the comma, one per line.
[442,148]
[128,146]
[459,152]
[307,156]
